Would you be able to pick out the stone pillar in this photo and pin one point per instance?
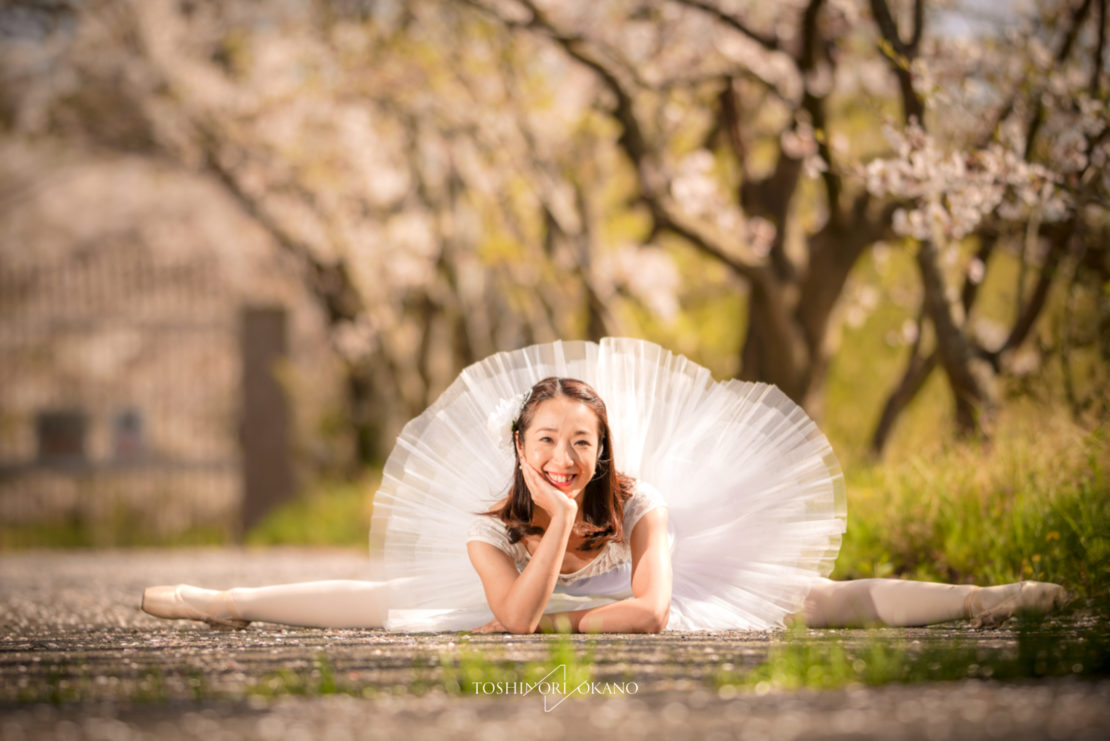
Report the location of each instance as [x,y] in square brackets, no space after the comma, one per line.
[265,423]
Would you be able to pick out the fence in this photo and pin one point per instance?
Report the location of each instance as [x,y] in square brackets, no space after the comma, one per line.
[121,404]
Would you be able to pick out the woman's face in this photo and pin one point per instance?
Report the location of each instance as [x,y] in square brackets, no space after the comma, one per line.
[562,443]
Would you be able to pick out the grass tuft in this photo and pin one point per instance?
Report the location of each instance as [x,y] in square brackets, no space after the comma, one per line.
[830,660]
[473,672]
[336,513]
[319,680]
[1034,504]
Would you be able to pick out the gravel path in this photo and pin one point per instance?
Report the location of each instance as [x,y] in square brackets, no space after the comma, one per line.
[78,660]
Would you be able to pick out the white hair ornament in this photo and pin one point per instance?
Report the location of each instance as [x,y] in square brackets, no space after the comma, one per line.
[500,422]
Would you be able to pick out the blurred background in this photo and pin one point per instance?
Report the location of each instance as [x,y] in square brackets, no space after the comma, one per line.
[242,243]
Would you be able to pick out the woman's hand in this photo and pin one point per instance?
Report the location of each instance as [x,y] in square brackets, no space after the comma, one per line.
[518,598]
[546,495]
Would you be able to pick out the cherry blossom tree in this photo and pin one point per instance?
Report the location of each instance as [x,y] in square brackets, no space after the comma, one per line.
[459,178]
[1018,162]
[733,116]
[397,156]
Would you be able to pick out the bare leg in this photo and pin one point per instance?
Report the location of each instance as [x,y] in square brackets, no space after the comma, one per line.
[315,604]
[904,603]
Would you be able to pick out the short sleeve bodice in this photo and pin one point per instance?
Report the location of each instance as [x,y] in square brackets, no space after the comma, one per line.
[613,555]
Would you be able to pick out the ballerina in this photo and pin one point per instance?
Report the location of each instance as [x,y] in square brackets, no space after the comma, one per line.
[726,513]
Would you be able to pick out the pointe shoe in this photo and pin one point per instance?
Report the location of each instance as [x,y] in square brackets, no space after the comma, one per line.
[989,607]
[170,602]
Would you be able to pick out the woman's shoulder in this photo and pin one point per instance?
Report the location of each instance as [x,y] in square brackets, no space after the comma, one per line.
[643,499]
[490,529]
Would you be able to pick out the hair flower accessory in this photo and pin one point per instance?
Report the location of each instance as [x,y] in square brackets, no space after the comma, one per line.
[500,421]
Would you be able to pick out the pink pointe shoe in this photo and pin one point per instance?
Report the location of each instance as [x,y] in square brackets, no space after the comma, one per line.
[989,607]
[179,603]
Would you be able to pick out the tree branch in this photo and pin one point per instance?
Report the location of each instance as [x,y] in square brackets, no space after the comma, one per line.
[330,281]
[1097,67]
[956,352]
[918,369]
[815,106]
[1028,314]
[729,124]
[920,366]
[1062,55]
[770,43]
[634,142]
[918,25]
[900,55]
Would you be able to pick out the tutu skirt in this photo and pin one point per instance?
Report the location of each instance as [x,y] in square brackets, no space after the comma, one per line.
[754,493]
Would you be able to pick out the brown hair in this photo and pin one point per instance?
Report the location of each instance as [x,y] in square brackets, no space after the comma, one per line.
[606,492]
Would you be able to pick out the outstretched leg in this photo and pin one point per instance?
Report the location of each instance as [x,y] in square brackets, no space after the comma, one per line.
[315,604]
[904,603]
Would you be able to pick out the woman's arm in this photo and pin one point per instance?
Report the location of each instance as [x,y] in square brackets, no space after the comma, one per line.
[648,610]
[518,600]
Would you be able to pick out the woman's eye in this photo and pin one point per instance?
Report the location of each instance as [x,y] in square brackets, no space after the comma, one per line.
[584,443]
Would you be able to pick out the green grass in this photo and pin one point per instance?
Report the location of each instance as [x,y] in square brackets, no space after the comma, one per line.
[1034,504]
[828,660]
[471,671]
[329,513]
[119,531]
[320,679]
[465,671]
[335,513]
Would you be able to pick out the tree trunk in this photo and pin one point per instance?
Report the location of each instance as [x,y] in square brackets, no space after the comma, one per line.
[975,403]
[918,370]
[362,407]
[774,350]
[920,366]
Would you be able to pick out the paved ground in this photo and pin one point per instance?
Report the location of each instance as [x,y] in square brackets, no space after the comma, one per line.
[78,660]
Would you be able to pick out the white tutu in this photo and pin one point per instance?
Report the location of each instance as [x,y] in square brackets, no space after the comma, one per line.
[754,493]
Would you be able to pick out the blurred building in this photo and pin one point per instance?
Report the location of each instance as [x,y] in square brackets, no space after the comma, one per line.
[131,297]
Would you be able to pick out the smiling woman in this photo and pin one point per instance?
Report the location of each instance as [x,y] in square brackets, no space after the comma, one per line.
[567,446]
[678,503]
[564,466]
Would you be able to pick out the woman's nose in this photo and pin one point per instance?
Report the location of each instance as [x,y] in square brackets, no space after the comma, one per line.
[563,454]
